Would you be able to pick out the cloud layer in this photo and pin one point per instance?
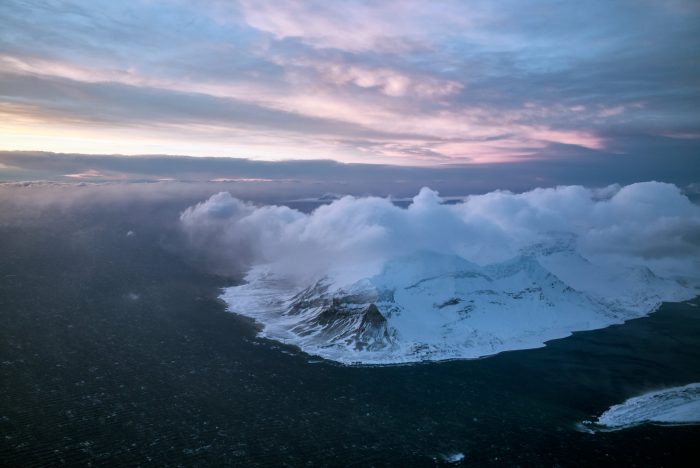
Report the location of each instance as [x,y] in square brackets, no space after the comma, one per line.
[648,223]
[400,81]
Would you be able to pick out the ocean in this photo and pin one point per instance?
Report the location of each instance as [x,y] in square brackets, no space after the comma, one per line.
[115,350]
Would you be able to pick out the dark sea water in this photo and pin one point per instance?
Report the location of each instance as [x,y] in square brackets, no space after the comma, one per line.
[116,351]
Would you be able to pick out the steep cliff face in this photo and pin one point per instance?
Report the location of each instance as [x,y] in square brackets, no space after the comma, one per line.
[354,321]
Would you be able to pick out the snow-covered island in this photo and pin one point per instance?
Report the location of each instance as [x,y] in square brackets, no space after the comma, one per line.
[430,306]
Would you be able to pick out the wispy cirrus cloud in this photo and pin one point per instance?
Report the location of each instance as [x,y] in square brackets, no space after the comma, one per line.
[402,82]
[393,26]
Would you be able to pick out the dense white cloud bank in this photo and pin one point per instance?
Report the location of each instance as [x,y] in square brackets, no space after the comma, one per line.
[646,223]
[363,280]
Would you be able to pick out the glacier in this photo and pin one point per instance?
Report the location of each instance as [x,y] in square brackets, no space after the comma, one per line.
[431,306]
[671,406]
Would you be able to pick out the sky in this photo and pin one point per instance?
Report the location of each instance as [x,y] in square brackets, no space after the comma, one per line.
[396,82]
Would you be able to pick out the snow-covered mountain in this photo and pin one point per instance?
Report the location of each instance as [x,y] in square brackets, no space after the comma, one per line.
[431,306]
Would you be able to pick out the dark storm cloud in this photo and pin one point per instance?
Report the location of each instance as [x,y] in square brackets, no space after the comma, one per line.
[299,178]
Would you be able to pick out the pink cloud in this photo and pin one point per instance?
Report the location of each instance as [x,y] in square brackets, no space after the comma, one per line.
[388,81]
[387,26]
[566,137]
[612,111]
[453,133]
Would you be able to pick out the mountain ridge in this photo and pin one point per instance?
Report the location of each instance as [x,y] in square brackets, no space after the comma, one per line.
[436,306]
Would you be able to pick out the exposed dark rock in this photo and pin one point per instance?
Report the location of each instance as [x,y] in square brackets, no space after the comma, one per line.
[449,302]
[372,333]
